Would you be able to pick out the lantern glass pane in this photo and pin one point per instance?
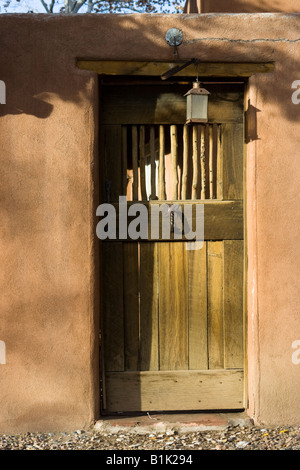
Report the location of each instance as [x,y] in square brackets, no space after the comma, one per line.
[199,107]
[189,107]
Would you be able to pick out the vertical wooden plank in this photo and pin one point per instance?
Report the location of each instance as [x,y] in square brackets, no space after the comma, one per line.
[233,162]
[197,298]
[215,133]
[142,163]
[202,162]
[211,162]
[161,169]
[135,163]
[113,313]
[152,160]
[195,162]
[233,303]
[207,150]
[173,306]
[148,307]
[129,185]
[219,138]
[174,144]
[185,161]
[131,305]
[215,304]
[113,163]
[124,161]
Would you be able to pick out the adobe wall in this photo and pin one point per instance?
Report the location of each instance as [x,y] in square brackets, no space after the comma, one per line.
[48,172]
[241,6]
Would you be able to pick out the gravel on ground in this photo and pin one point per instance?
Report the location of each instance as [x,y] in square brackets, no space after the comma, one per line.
[232,438]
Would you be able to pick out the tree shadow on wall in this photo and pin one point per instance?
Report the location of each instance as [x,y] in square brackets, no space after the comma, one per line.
[234,6]
[35,75]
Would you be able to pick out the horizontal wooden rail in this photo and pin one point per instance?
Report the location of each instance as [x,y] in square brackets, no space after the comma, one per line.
[223,220]
[181,390]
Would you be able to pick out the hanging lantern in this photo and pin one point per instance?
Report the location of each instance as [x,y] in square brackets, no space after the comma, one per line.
[196,104]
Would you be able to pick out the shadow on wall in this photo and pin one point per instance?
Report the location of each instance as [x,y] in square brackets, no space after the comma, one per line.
[251,123]
[240,6]
[50,69]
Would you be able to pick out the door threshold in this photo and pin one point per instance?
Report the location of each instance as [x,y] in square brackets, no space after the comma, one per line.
[177,422]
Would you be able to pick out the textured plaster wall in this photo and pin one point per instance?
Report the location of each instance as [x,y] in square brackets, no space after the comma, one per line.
[48,172]
[241,6]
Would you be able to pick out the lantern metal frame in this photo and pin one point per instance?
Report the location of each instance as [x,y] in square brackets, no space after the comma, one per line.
[198,91]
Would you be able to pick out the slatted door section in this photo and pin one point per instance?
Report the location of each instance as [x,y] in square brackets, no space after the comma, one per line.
[172,317]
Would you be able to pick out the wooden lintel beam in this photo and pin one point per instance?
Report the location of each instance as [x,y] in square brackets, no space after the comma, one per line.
[204,69]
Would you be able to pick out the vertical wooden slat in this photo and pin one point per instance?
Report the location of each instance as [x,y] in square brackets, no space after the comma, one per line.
[215,133]
[142,163]
[152,160]
[174,145]
[202,162]
[233,166]
[148,307]
[161,170]
[135,163]
[211,162]
[173,306]
[185,161]
[113,163]
[195,162]
[219,163]
[131,305]
[113,313]
[129,184]
[124,160]
[197,295]
[215,304]
[233,304]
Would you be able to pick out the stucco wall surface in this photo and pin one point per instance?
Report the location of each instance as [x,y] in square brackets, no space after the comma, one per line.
[48,173]
[241,6]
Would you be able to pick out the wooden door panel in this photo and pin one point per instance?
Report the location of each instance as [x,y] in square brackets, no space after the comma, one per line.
[175,390]
[131,305]
[186,316]
[132,105]
[232,135]
[113,306]
[173,306]
[111,163]
[233,300]
[215,304]
[172,334]
[197,306]
[149,342]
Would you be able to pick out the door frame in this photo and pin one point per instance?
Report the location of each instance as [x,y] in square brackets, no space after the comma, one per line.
[225,71]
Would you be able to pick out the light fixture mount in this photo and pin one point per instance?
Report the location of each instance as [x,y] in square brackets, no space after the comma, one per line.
[174,37]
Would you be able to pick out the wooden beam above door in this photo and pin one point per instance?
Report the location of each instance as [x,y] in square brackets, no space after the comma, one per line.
[204,69]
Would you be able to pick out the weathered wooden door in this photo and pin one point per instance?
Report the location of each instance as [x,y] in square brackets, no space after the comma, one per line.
[172,318]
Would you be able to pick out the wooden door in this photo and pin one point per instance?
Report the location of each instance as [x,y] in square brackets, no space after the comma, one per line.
[172,318]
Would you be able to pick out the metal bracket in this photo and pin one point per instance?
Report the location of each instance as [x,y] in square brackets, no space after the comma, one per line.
[177,69]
